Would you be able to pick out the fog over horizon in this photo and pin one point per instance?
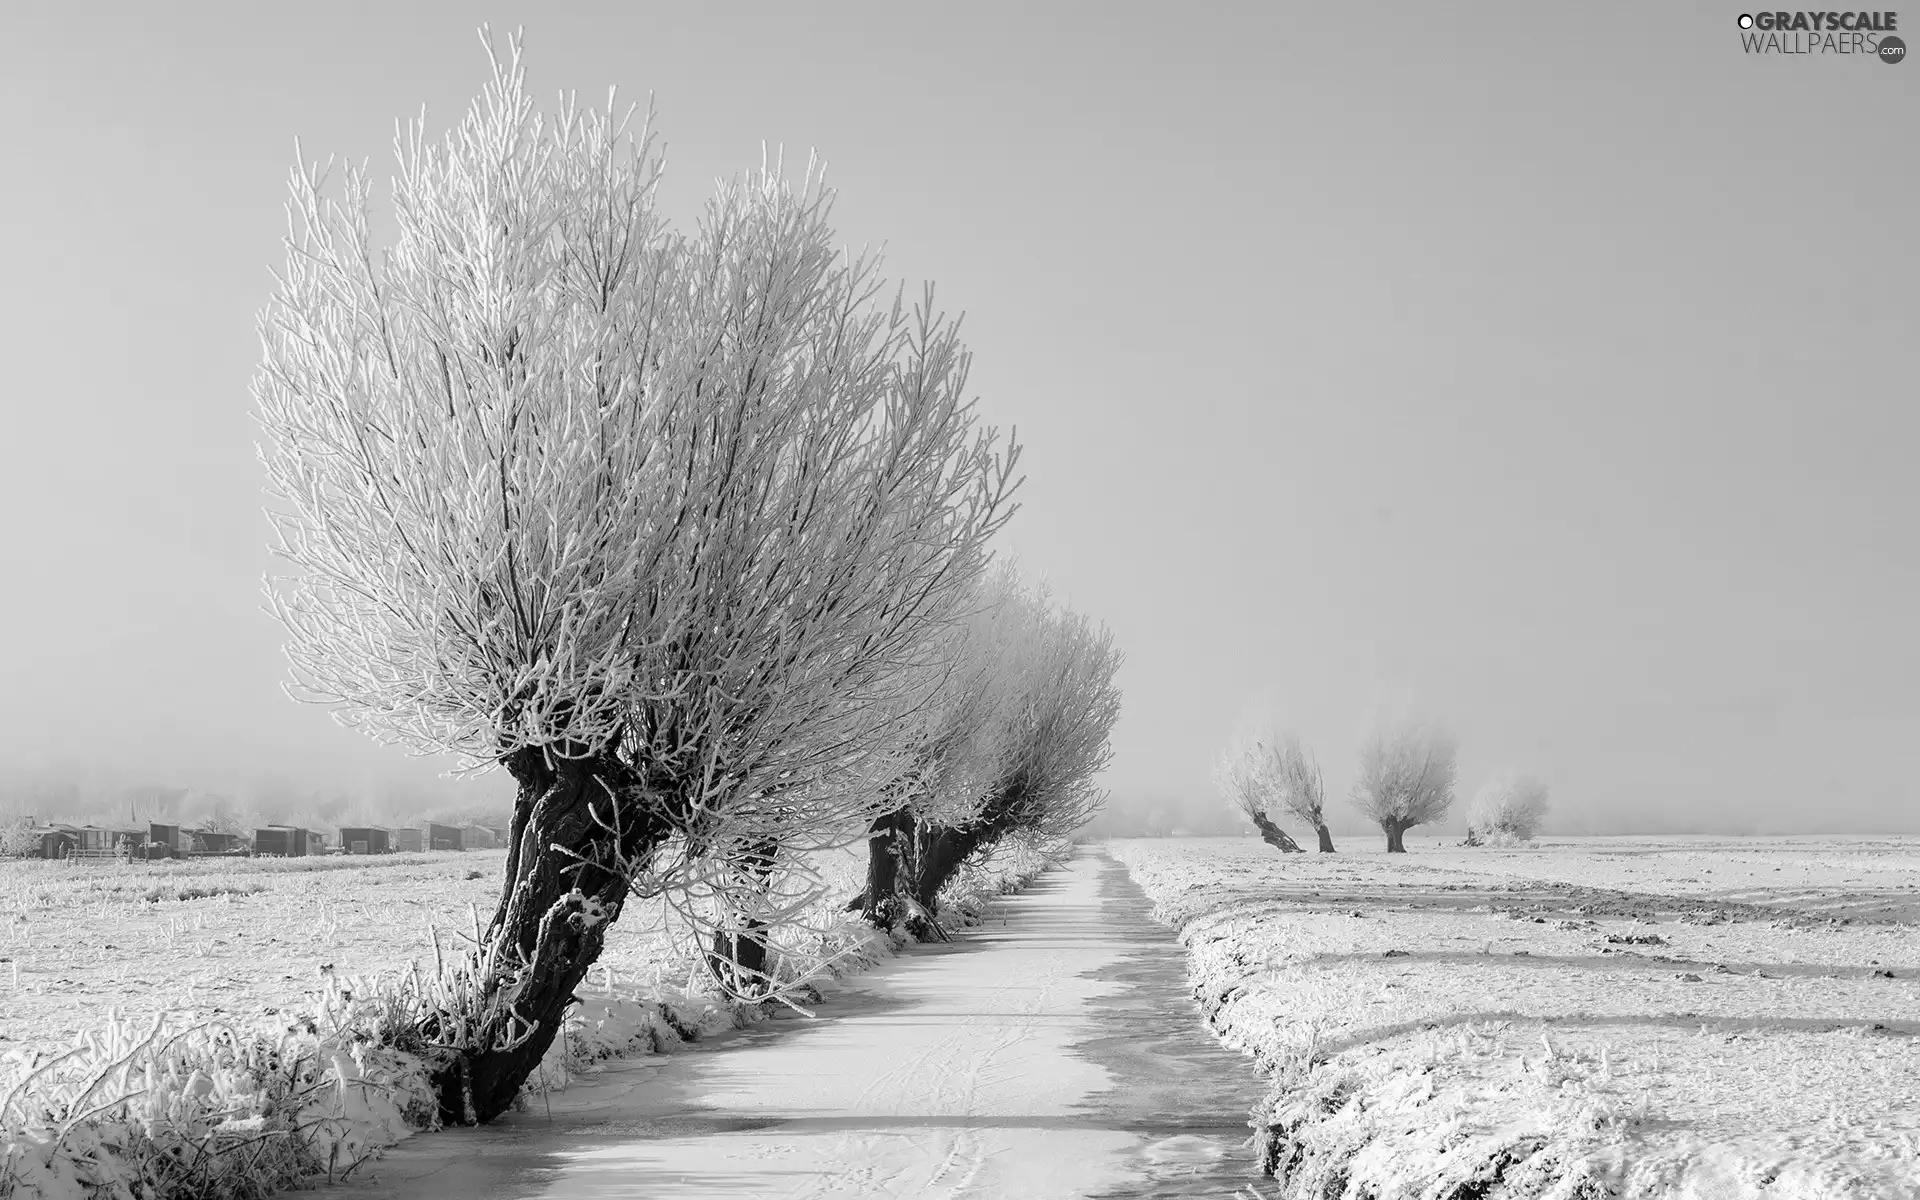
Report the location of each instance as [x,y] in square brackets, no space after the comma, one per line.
[1549,372]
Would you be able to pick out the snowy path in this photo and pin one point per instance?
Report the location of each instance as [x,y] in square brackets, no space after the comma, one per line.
[1050,1053]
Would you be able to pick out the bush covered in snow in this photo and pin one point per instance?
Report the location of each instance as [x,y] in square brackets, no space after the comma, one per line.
[1508,810]
[16,837]
[159,1112]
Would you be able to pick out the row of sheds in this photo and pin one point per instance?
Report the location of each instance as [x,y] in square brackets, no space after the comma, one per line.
[375,839]
[159,840]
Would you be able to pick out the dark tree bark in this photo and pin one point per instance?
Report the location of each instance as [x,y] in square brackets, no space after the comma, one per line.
[564,886]
[1396,831]
[889,846]
[939,853]
[1273,835]
[738,960]
[1326,838]
[926,856]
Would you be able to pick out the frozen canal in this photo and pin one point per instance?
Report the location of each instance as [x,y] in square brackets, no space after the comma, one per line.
[1052,1052]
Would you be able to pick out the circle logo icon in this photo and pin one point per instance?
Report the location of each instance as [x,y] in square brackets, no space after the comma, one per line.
[1892,50]
[1746,20]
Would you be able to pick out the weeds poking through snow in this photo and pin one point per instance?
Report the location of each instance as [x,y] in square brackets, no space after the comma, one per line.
[208,1110]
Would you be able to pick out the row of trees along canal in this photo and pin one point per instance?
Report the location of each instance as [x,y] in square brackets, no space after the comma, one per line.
[688,531]
[1406,778]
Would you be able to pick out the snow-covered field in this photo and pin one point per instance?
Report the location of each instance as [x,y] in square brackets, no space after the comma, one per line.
[217,937]
[1686,1017]
[173,989]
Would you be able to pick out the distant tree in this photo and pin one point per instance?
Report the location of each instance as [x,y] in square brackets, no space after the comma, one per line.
[1302,789]
[1265,771]
[1509,806]
[1407,774]
[1247,775]
[219,816]
[652,520]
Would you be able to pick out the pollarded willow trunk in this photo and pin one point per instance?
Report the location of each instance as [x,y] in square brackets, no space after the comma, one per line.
[939,851]
[564,885]
[1396,832]
[935,853]
[738,959]
[889,847]
[1326,838]
[1273,835]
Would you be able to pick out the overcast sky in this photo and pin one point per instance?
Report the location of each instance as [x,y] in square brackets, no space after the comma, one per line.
[1549,364]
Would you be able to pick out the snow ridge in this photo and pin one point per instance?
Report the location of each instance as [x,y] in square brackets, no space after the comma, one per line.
[1434,1028]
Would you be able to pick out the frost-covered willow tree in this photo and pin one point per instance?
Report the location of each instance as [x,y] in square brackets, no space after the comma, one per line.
[1245,774]
[663,523]
[1302,788]
[1407,773]
[971,686]
[1022,762]
[753,877]
[1510,806]
[1265,770]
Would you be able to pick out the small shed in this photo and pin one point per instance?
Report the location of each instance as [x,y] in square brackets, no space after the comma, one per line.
[285,841]
[316,842]
[165,841]
[55,841]
[443,837]
[405,841]
[478,837]
[370,840]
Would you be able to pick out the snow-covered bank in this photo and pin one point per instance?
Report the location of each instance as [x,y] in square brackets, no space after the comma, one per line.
[259,1050]
[1049,1054]
[1555,1022]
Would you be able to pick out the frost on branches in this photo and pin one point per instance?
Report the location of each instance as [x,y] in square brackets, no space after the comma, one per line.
[1266,770]
[663,522]
[1507,810]
[1010,744]
[1407,773]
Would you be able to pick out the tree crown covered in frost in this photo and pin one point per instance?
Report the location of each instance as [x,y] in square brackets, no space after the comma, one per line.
[1407,773]
[1048,739]
[1019,722]
[963,732]
[553,475]
[1266,770]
